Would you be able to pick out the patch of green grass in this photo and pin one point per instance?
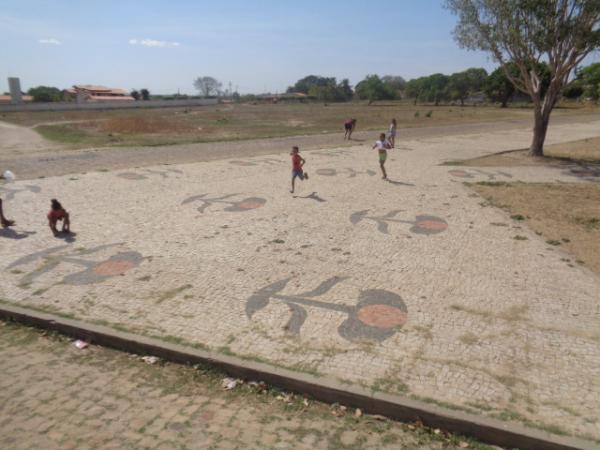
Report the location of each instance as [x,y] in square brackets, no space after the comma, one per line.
[168,295]
[39,291]
[514,416]
[517,217]
[493,183]
[518,237]
[389,385]
[63,134]
[468,339]
[553,242]
[590,223]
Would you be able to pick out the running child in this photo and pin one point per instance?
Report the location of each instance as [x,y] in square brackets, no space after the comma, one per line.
[3,220]
[349,126]
[56,213]
[392,133]
[382,146]
[297,164]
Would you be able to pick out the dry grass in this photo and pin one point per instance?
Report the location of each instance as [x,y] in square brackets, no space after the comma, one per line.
[584,150]
[246,121]
[566,215]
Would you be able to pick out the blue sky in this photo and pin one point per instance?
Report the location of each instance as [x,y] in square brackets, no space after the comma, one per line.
[258,45]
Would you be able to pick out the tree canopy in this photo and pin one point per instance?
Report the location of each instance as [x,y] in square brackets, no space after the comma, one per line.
[45,94]
[207,86]
[527,33]
[373,88]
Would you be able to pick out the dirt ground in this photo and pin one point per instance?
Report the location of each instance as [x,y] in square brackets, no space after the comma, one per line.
[15,139]
[166,126]
[583,151]
[55,396]
[566,215]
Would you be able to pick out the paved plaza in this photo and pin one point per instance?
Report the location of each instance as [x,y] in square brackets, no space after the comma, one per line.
[412,286]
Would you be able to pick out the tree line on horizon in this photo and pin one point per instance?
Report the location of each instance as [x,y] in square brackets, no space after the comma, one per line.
[440,88]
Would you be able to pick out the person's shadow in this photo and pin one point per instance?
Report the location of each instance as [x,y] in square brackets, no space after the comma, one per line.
[399,183]
[66,236]
[312,196]
[9,233]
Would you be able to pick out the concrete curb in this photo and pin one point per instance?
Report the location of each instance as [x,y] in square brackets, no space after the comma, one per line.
[395,407]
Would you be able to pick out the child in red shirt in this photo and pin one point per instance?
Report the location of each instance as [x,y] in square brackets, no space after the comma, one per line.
[297,164]
[56,213]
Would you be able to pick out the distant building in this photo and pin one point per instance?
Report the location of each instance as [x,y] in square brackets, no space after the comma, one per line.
[92,93]
[7,99]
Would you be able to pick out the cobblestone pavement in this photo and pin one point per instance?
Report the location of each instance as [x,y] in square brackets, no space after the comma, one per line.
[410,286]
[54,396]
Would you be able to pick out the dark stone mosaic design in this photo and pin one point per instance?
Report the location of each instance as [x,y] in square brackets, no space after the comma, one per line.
[93,271]
[351,172]
[377,315]
[255,162]
[135,176]
[423,224]
[246,204]
[585,172]
[8,193]
[473,173]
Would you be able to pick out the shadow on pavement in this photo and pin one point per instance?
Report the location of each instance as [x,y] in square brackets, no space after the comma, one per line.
[313,196]
[9,233]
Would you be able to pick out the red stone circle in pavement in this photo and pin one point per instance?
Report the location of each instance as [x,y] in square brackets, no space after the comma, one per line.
[111,268]
[382,316]
[460,173]
[432,225]
[249,205]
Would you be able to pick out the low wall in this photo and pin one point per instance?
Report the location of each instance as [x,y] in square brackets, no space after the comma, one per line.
[72,106]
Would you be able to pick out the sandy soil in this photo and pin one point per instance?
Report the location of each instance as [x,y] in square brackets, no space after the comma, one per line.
[16,140]
[584,151]
[567,216]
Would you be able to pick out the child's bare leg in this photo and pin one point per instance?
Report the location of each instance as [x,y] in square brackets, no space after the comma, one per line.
[382,165]
[3,220]
[293,181]
[52,225]
[66,224]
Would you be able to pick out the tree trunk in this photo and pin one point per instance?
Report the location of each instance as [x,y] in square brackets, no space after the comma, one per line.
[540,128]
[541,114]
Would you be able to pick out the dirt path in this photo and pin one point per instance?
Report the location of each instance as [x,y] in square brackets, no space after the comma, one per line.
[55,396]
[15,139]
[52,162]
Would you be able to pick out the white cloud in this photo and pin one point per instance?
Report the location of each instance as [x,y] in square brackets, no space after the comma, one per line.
[153,43]
[50,41]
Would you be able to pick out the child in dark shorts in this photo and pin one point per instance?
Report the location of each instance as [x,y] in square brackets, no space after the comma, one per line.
[297,164]
[349,126]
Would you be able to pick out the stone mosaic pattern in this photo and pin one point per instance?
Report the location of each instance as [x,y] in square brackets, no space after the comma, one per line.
[430,298]
[377,315]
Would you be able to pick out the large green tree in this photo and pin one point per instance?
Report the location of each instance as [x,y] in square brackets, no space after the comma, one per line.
[372,88]
[468,82]
[527,32]
[589,77]
[44,94]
